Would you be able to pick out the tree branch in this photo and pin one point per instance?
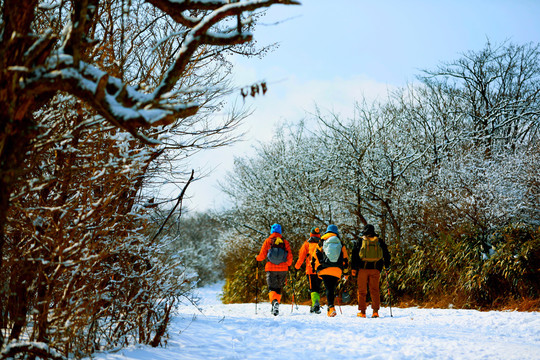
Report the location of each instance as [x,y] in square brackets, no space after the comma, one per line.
[199,34]
[178,202]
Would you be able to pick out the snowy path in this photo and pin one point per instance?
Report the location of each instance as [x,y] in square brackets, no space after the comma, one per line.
[235,332]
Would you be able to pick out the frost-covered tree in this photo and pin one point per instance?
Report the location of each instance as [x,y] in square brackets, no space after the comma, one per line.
[496,90]
[346,172]
[476,121]
[372,158]
[284,181]
[194,240]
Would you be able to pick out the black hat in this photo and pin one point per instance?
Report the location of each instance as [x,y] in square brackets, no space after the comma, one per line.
[369,230]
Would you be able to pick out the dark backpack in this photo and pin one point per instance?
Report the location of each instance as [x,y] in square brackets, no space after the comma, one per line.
[277,253]
[371,250]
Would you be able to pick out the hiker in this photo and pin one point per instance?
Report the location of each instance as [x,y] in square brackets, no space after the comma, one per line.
[314,281]
[368,258]
[331,262]
[278,253]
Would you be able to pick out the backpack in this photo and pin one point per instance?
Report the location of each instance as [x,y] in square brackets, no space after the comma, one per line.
[332,249]
[277,253]
[371,250]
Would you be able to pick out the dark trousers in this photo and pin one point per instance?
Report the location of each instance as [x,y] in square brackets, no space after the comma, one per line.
[330,283]
[276,280]
[314,283]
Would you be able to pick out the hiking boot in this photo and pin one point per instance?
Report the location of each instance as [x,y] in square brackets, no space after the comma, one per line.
[275,307]
[361,314]
[375,314]
[317,307]
[331,311]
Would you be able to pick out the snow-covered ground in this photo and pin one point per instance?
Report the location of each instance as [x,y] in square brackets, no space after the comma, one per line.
[221,331]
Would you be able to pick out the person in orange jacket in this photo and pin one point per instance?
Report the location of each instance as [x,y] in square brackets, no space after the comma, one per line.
[279,255]
[331,261]
[305,254]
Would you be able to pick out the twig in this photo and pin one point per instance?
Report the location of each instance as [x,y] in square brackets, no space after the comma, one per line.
[178,202]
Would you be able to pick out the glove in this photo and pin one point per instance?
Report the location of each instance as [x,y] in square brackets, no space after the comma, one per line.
[353,273]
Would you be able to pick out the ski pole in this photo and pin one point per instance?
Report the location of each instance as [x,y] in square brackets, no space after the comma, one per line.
[388,289]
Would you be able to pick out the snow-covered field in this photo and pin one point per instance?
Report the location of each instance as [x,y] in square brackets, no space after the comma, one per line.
[235,332]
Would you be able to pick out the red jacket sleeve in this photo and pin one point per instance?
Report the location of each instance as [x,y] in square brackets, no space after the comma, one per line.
[264,250]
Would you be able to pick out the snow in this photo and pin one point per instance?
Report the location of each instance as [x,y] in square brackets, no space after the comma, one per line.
[234,331]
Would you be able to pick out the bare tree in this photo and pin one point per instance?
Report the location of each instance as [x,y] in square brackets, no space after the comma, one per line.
[498,94]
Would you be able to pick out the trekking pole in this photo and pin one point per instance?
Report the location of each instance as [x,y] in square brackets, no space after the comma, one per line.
[256,285]
[293,300]
[388,289]
[292,282]
[340,285]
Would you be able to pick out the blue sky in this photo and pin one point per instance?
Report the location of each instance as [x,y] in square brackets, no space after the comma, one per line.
[332,53]
[387,40]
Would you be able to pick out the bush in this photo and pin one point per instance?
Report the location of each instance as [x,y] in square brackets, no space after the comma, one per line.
[512,271]
[457,270]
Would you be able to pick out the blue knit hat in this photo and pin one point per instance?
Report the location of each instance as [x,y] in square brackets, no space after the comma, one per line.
[332,229]
[276,228]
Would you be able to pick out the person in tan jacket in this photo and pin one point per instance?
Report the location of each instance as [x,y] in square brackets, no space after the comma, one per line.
[369,255]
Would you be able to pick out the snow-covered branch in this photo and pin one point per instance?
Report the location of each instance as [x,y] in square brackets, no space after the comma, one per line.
[201,35]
